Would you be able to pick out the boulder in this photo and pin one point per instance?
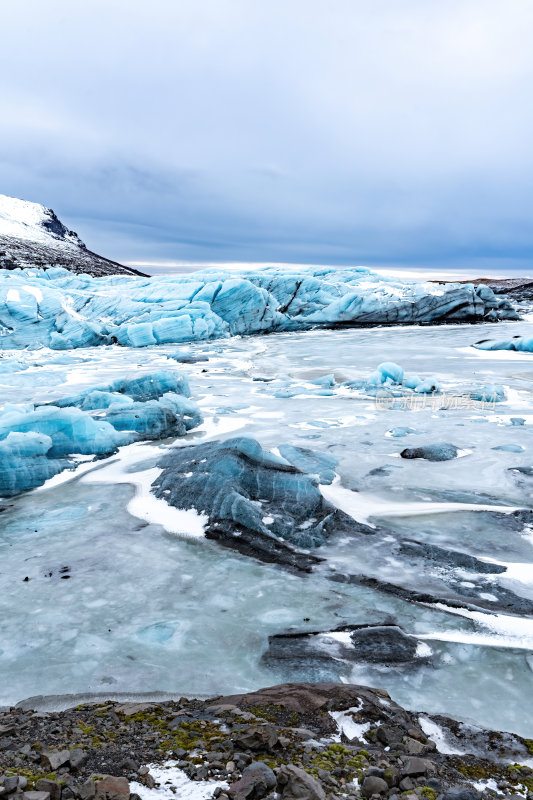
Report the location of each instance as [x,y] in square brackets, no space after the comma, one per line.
[461,793]
[415,766]
[256,782]
[296,784]
[257,737]
[53,759]
[77,757]
[305,698]
[373,785]
[112,788]
[50,786]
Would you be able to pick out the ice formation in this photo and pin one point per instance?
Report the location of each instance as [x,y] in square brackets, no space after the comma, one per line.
[243,488]
[57,309]
[38,441]
[439,451]
[330,655]
[522,344]
[391,374]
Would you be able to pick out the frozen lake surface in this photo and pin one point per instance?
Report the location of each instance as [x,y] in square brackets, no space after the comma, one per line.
[125,594]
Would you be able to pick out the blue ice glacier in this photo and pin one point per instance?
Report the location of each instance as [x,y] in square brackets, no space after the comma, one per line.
[38,441]
[58,309]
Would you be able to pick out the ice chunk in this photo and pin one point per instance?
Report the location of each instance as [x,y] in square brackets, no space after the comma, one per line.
[396,433]
[70,430]
[24,462]
[94,422]
[519,343]
[239,485]
[389,374]
[390,371]
[309,461]
[427,386]
[441,451]
[490,393]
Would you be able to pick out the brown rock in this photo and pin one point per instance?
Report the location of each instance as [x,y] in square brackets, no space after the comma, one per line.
[305,697]
[112,788]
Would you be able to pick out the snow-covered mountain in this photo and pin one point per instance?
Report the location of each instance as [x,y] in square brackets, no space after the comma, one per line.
[31,235]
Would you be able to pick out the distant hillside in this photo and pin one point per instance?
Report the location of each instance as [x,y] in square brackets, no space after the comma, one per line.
[31,235]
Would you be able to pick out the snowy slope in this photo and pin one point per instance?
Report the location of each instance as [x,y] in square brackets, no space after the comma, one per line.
[31,235]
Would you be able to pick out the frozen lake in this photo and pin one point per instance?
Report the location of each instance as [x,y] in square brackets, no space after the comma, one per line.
[119,599]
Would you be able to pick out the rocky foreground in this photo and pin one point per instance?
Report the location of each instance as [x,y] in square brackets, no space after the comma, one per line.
[292,742]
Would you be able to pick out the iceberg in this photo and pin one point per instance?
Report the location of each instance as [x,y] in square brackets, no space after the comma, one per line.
[61,310]
[39,441]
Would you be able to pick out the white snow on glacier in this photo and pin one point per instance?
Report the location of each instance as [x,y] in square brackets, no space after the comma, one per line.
[57,309]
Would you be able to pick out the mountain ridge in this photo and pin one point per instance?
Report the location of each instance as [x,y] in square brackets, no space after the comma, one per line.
[32,235]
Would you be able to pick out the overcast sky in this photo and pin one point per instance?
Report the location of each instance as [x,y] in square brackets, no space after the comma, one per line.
[322,131]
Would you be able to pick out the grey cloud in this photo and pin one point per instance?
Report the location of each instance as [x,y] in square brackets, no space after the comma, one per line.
[298,130]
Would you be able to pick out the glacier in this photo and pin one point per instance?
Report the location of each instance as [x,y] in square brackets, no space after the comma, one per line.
[37,441]
[54,308]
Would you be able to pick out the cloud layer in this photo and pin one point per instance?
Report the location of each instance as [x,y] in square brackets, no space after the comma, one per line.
[339,131]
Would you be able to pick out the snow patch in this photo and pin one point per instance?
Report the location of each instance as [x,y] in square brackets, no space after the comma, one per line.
[347,725]
[436,734]
[175,785]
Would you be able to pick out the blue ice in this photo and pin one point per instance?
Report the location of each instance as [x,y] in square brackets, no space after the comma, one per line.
[55,308]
